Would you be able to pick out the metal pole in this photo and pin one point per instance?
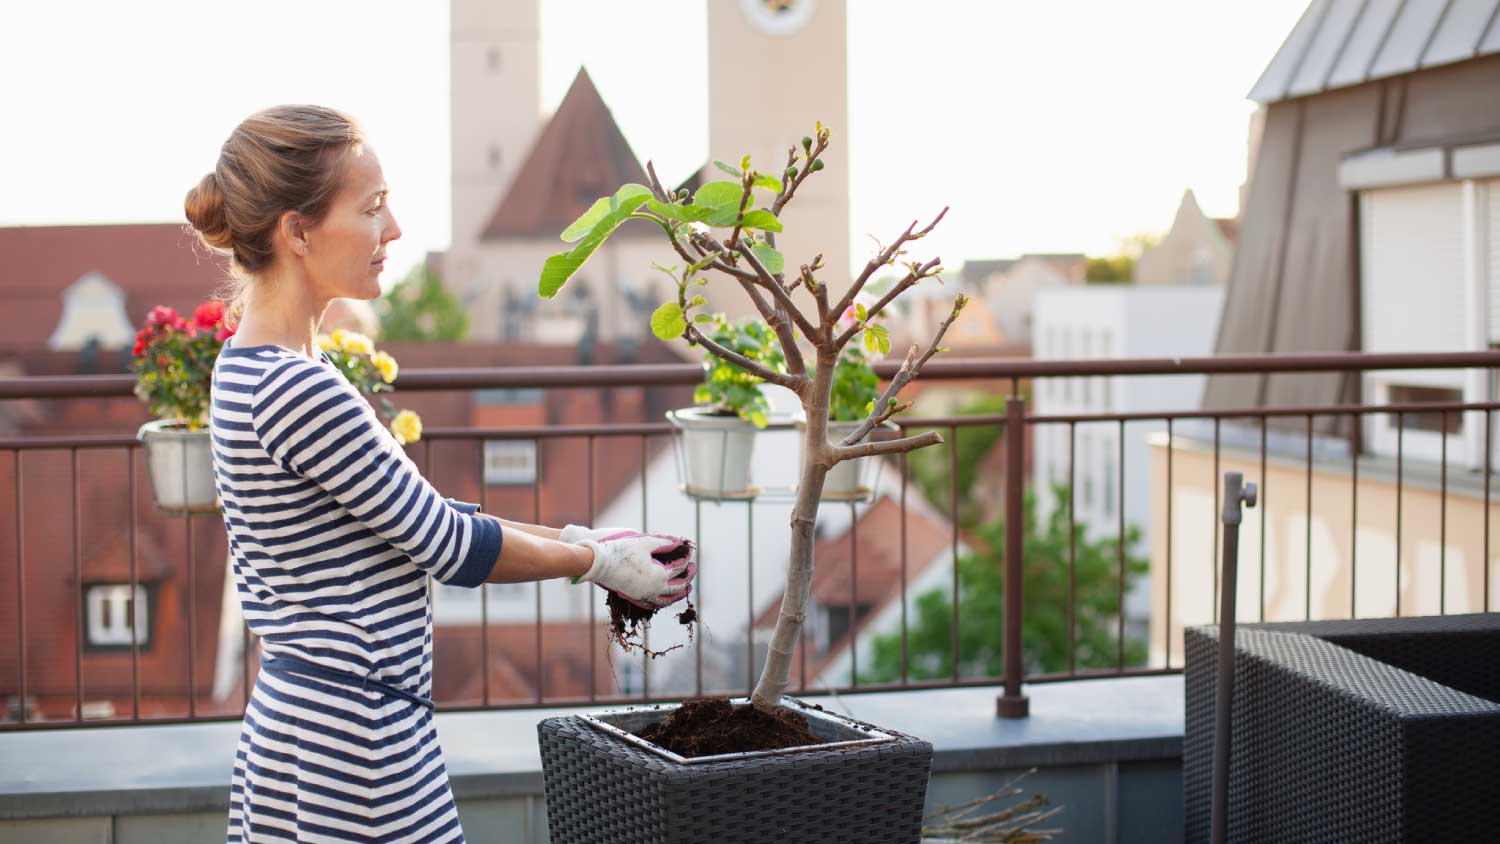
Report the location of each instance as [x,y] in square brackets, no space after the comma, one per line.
[1013,704]
[1235,492]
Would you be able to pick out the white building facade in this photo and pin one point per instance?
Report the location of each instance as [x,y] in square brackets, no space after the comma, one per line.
[1113,321]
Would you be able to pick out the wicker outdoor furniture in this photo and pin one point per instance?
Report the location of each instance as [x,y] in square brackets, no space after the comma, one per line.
[1351,731]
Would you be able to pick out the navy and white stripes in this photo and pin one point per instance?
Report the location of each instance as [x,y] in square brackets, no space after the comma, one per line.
[332,534]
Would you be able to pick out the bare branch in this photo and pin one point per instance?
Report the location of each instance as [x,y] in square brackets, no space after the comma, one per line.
[819,291]
[774,317]
[656,188]
[886,406]
[790,186]
[917,273]
[756,368]
[748,183]
[870,449]
[885,257]
[783,298]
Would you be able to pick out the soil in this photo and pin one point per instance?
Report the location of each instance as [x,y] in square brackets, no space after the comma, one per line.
[707,726]
[628,623]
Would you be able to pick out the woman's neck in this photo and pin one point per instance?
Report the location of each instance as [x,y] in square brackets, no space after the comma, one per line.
[280,313]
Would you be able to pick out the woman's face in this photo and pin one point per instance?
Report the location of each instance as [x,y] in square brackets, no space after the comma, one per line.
[346,249]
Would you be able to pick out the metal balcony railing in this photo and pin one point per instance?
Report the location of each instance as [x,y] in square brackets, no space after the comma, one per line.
[39,627]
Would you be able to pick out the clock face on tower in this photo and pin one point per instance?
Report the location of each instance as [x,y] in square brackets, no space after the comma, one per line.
[779,17]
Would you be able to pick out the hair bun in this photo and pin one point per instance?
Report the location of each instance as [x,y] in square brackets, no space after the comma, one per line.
[205,211]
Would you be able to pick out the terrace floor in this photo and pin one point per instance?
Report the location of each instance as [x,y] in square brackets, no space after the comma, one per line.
[1109,750]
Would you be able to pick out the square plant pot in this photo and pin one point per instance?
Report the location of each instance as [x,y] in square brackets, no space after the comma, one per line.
[605,786]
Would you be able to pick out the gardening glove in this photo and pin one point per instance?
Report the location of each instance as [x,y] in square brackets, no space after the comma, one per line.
[649,570]
[577,533]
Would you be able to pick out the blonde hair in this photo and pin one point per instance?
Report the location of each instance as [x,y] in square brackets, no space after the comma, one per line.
[284,158]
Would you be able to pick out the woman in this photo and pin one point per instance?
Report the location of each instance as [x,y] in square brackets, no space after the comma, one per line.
[332,531]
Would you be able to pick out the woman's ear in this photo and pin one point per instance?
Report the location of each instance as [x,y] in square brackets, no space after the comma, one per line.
[293,230]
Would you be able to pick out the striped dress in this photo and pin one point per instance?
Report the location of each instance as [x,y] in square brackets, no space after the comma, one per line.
[332,534]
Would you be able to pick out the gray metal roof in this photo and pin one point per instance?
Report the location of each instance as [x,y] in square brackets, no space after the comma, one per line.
[1345,42]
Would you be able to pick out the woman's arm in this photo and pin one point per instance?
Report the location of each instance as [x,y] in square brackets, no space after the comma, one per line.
[528,553]
[535,530]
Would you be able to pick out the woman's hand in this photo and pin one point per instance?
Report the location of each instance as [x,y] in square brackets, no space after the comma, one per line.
[649,570]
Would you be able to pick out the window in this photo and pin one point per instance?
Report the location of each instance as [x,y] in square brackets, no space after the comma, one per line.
[1422,290]
[632,677]
[1086,470]
[1107,382]
[1109,480]
[1086,348]
[1067,352]
[1432,421]
[109,610]
[508,395]
[509,462]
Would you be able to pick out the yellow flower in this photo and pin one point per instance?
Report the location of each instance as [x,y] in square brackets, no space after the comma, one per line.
[338,338]
[353,342]
[406,427]
[326,343]
[386,364]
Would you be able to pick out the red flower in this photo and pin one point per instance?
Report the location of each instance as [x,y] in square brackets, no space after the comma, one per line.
[225,332]
[208,314]
[161,360]
[162,315]
[179,324]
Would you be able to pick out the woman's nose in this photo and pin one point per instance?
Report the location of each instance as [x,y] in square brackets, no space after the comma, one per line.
[392,231]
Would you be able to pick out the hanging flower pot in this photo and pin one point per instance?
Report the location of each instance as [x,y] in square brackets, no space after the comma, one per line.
[180,464]
[714,451]
[716,440]
[173,361]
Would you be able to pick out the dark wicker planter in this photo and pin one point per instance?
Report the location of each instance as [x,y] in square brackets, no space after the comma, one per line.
[602,789]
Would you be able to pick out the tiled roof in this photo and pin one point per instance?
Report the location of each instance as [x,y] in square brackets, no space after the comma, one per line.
[153,263]
[878,533]
[579,156]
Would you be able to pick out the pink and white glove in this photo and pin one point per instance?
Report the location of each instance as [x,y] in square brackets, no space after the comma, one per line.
[578,533]
[650,570]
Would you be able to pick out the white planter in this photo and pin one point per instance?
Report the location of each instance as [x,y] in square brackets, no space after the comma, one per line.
[850,480]
[714,453]
[180,464]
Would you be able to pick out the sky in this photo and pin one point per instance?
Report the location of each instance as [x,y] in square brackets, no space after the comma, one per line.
[1063,126]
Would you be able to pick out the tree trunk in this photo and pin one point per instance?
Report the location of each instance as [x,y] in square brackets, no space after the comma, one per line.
[815,453]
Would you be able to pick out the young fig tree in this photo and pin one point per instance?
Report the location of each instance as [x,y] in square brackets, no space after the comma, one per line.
[725,235]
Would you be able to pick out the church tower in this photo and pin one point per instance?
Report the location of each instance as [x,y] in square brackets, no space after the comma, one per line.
[775,68]
[495,94]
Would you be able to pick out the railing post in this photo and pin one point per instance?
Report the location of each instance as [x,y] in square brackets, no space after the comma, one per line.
[1236,492]
[1013,704]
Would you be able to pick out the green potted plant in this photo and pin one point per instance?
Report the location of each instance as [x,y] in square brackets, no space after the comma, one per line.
[718,435]
[173,363]
[629,775]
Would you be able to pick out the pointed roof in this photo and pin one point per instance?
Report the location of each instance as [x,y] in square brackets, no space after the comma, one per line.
[579,156]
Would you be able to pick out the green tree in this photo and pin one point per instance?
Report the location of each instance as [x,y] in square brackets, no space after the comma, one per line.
[932,468]
[1119,268]
[420,308]
[1044,629]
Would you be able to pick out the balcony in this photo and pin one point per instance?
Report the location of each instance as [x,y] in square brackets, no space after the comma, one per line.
[129,665]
